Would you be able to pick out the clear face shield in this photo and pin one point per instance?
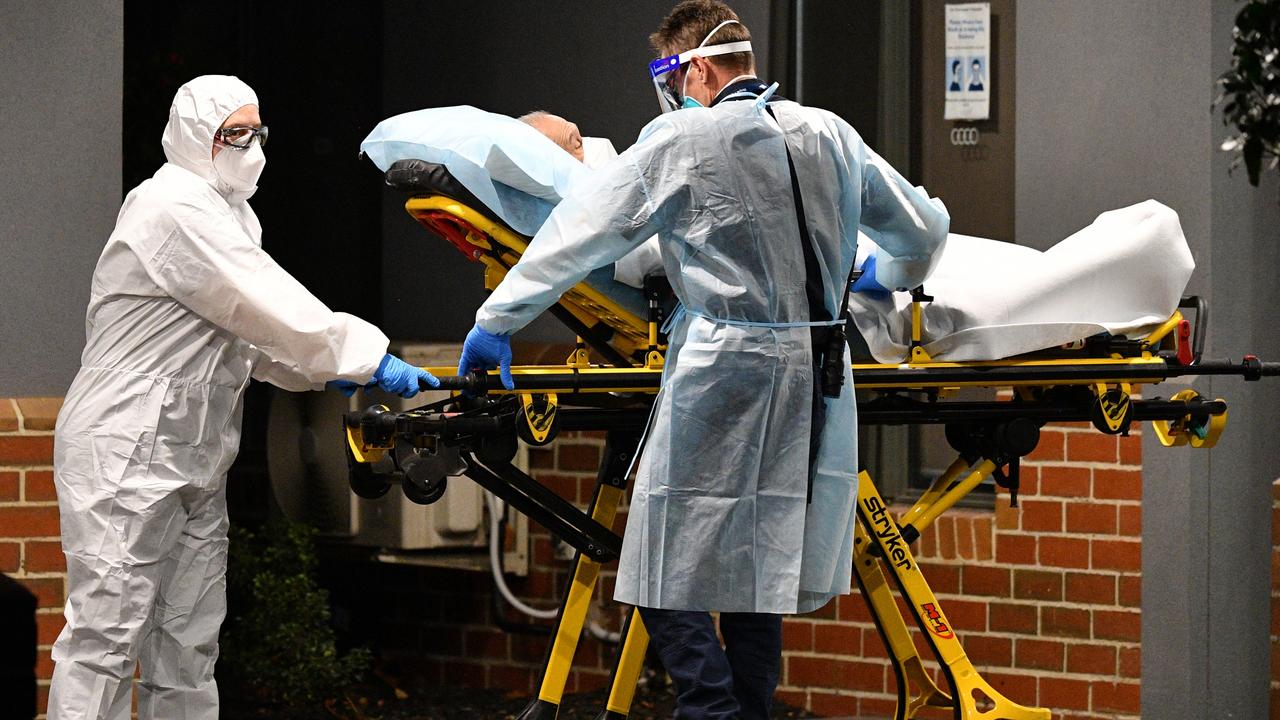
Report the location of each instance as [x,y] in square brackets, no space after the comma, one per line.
[664,71]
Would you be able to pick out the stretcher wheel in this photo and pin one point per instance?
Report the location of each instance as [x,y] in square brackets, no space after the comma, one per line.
[427,471]
[364,482]
[425,495]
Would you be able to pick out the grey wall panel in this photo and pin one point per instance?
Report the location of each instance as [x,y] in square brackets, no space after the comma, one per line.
[1112,110]
[1175,575]
[1245,235]
[59,181]
[584,60]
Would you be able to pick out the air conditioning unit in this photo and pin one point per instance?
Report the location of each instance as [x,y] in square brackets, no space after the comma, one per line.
[307,463]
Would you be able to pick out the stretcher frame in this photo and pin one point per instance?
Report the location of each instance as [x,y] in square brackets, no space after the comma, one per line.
[475,435]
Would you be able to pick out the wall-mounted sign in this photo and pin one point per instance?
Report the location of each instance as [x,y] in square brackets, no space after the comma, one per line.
[968,72]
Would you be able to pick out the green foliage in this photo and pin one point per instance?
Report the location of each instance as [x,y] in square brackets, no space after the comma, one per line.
[1251,88]
[277,643]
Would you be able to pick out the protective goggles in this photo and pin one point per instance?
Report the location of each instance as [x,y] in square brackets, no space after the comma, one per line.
[241,138]
[663,70]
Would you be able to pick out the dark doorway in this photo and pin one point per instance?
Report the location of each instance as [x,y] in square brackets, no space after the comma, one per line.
[317,71]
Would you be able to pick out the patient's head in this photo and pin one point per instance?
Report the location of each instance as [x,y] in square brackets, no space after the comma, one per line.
[560,131]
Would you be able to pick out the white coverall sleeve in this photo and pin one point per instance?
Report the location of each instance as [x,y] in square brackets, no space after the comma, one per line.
[209,264]
[909,227]
[281,375]
[598,223]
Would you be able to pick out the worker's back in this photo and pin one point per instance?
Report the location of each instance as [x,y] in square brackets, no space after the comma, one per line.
[728,209]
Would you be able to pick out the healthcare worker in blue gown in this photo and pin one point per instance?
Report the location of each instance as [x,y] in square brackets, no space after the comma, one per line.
[726,515]
[184,309]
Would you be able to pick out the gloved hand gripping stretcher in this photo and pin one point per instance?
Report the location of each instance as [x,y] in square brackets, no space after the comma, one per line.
[475,435]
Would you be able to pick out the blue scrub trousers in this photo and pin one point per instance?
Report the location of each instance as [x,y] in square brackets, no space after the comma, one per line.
[734,682]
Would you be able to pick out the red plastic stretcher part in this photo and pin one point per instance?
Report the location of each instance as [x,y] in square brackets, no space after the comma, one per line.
[453,230]
[1184,343]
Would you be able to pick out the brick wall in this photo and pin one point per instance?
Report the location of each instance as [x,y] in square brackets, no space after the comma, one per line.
[1044,597]
[30,550]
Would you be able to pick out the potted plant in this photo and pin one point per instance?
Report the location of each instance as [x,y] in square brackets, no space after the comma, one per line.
[1250,90]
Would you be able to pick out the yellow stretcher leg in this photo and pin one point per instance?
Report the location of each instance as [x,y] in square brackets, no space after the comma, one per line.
[916,690]
[935,491]
[955,491]
[973,696]
[573,616]
[626,671]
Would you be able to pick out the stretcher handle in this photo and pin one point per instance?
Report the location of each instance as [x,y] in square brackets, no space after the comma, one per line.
[570,381]
[466,383]
[1201,327]
[1250,368]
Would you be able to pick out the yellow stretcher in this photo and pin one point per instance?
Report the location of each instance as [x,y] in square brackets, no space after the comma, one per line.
[475,435]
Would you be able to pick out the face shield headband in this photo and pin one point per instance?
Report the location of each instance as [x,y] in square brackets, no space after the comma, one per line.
[663,70]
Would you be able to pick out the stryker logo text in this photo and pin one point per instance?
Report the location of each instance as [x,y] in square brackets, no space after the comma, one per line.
[887,530]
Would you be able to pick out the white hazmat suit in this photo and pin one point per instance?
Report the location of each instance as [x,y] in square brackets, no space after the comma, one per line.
[720,517]
[185,307]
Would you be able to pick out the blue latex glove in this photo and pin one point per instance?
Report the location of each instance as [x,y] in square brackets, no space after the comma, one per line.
[867,283]
[483,350]
[346,387]
[397,376]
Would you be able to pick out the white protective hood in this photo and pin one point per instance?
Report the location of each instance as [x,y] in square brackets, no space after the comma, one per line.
[199,108]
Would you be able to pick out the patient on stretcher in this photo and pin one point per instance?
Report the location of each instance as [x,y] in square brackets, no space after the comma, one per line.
[1123,274]
[636,265]
[558,130]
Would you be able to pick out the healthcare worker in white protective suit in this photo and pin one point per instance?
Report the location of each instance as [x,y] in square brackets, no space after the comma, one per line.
[725,514]
[185,307]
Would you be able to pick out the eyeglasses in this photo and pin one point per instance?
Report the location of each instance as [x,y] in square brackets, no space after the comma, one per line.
[241,138]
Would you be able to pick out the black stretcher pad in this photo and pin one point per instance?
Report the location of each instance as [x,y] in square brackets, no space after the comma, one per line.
[419,177]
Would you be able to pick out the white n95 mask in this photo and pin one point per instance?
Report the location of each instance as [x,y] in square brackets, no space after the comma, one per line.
[238,172]
[596,152]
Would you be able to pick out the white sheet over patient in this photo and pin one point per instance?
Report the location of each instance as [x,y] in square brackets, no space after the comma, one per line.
[1124,274]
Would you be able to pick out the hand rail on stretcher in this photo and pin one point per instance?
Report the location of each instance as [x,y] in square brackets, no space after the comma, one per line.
[475,433]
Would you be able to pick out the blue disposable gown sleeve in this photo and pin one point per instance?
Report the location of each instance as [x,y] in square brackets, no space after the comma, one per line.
[210,265]
[909,227]
[598,223]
